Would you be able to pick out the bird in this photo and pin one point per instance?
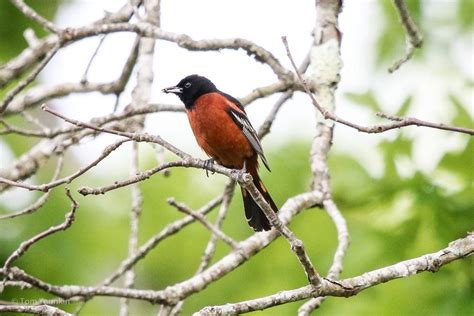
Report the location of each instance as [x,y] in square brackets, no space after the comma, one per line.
[223,131]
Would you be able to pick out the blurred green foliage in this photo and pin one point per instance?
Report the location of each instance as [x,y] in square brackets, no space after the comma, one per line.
[466,18]
[391,218]
[391,40]
[13,23]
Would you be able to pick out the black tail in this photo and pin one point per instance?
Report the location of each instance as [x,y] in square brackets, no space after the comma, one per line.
[255,216]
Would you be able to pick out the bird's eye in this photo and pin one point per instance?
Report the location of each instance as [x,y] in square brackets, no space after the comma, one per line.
[187,85]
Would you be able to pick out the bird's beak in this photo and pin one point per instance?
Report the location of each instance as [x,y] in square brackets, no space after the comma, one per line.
[175,90]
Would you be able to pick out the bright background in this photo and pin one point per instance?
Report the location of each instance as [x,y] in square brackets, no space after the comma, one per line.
[404,193]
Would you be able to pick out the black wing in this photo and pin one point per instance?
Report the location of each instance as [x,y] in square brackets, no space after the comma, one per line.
[243,122]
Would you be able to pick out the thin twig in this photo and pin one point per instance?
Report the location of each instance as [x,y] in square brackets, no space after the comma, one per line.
[133,136]
[91,60]
[126,71]
[160,158]
[149,245]
[414,39]
[375,128]
[40,202]
[127,113]
[20,284]
[48,186]
[144,175]
[10,129]
[221,215]
[187,161]
[35,121]
[32,76]
[31,55]
[337,263]
[32,14]
[33,309]
[212,243]
[26,59]
[200,218]
[148,30]
[267,124]
[25,245]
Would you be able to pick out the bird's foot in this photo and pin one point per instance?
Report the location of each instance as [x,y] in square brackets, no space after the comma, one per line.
[239,173]
[208,165]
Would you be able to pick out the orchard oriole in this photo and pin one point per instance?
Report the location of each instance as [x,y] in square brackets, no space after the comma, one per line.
[224,132]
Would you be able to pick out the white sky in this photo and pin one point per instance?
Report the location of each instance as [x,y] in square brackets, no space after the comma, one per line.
[264,22]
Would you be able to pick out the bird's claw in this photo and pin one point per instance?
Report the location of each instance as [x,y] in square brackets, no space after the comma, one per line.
[208,165]
[239,173]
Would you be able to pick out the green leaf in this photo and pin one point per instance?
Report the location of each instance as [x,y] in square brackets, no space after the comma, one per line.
[366,99]
[403,110]
[465,10]
[460,163]
[463,117]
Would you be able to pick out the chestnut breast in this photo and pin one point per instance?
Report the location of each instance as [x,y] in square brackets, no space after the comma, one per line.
[216,132]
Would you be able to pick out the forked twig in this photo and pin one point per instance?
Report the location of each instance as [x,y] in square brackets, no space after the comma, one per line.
[400,122]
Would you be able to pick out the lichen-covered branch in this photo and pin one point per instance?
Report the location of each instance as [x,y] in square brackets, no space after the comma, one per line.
[457,249]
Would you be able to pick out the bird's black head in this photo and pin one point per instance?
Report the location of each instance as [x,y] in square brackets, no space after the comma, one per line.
[191,88]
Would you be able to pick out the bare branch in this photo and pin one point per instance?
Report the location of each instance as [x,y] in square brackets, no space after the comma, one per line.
[458,249]
[29,56]
[336,268]
[200,218]
[29,163]
[32,76]
[414,39]
[172,294]
[267,124]
[375,128]
[40,202]
[265,91]
[169,230]
[326,65]
[33,15]
[15,67]
[212,243]
[53,229]
[142,53]
[33,309]
[148,30]
[127,71]
[22,285]
[407,121]
[39,154]
[91,60]
[48,186]
[40,94]
[296,244]
[137,202]
[133,136]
